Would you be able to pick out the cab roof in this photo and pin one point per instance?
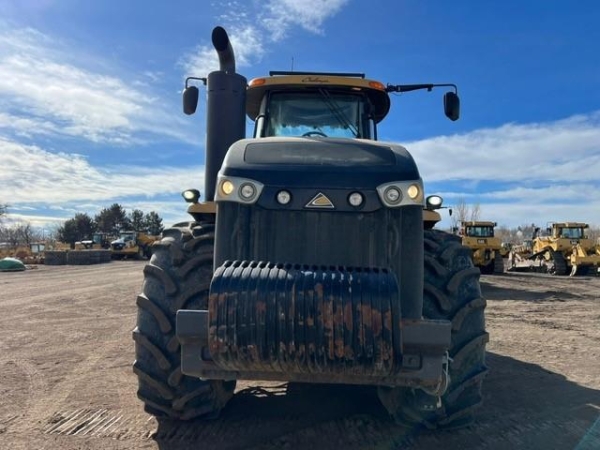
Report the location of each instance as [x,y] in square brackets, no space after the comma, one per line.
[285,81]
[570,225]
[478,223]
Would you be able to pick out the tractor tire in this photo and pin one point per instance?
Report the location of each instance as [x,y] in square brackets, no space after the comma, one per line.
[498,263]
[451,292]
[559,264]
[178,276]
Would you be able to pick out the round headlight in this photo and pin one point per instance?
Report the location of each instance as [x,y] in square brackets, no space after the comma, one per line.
[355,199]
[191,195]
[227,187]
[247,191]
[284,197]
[413,191]
[393,195]
[434,201]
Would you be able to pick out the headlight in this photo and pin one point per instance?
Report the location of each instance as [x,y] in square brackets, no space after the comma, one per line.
[247,191]
[240,190]
[393,195]
[191,195]
[401,193]
[434,202]
[413,191]
[284,197]
[227,187]
[355,199]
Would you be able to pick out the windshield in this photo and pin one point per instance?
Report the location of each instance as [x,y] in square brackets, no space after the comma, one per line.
[570,233]
[319,113]
[127,236]
[480,231]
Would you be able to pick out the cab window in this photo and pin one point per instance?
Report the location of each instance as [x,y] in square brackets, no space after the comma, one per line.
[318,113]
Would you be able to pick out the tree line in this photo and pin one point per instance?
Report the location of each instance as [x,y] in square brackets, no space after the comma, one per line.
[111,220]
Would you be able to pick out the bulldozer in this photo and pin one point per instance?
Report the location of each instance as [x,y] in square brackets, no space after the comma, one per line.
[565,249]
[313,258]
[132,244]
[486,249]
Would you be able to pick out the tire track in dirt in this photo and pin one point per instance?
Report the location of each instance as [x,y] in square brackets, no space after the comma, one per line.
[19,401]
[541,391]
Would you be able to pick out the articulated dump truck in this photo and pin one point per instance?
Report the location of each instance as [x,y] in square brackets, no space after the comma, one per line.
[312,258]
[564,249]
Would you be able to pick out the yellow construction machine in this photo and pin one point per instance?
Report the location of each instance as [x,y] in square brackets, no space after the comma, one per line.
[565,249]
[133,244]
[486,249]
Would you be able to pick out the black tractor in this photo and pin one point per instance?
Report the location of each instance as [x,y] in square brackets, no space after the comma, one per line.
[312,259]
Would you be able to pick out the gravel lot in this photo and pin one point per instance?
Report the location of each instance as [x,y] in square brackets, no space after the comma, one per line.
[66,379]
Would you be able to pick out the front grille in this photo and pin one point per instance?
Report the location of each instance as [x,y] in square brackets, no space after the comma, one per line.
[387,238]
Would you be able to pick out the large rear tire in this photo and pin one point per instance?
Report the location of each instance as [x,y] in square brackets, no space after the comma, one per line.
[177,277]
[451,292]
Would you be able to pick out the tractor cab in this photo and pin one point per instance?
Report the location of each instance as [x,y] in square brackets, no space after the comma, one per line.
[478,229]
[569,230]
[316,105]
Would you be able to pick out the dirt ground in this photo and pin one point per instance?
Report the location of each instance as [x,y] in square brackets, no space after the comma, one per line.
[66,381]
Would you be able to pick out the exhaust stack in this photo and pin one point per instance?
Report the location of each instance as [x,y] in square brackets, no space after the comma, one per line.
[225,110]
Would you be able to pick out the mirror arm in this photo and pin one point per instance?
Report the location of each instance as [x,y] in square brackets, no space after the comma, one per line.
[203,80]
[415,87]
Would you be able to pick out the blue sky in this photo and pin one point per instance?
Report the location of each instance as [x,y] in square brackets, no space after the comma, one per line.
[90,96]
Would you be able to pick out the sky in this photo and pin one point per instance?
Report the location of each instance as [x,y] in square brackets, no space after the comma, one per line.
[90,97]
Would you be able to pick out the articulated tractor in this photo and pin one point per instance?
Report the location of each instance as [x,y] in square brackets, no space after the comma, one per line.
[312,258]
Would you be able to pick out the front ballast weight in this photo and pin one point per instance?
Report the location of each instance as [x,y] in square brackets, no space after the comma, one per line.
[268,321]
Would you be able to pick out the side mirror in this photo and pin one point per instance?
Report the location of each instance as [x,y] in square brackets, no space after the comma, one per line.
[451,106]
[190,100]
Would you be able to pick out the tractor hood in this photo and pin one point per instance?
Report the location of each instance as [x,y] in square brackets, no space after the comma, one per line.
[323,162]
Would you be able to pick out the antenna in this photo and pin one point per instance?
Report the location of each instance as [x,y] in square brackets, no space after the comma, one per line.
[292,69]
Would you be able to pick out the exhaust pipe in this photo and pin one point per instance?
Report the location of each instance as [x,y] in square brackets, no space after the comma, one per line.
[225,110]
[224,50]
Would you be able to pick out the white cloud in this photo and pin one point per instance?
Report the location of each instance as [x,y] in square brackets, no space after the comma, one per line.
[537,172]
[251,29]
[32,175]
[247,48]
[565,150]
[308,14]
[516,214]
[43,84]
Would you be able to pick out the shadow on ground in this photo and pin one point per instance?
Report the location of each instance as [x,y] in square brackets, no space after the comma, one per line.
[491,289]
[525,407]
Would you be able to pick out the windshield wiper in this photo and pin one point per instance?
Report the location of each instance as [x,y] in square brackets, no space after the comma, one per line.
[337,112]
